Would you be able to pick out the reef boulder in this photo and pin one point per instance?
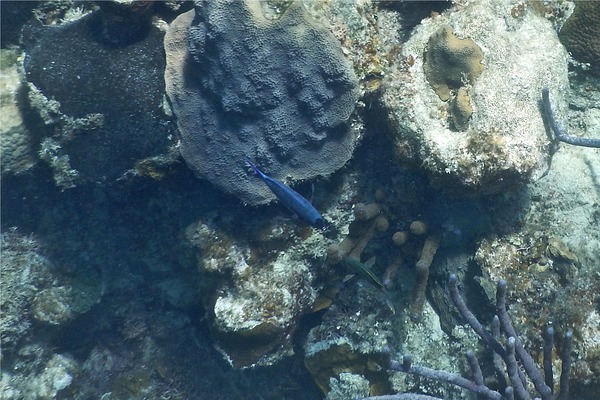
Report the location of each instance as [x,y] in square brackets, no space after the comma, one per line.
[463,99]
[254,293]
[274,87]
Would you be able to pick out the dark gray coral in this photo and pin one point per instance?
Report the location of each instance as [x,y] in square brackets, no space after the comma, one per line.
[278,91]
[102,103]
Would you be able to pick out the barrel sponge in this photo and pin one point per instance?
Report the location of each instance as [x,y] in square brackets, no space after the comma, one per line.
[581,33]
[277,90]
[449,61]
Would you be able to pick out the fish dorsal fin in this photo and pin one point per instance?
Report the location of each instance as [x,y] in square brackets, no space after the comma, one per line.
[370,262]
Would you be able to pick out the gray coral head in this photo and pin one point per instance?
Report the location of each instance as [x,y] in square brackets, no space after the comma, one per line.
[277,90]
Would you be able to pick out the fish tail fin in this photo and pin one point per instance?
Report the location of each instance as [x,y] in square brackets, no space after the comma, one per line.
[388,302]
[257,172]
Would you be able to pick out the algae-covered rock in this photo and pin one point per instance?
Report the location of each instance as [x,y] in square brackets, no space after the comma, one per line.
[489,135]
[16,147]
[59,304]
[54,373]
[351,338]
[277,90]
[22,270]
[32,289]
[254,293]
[348,386]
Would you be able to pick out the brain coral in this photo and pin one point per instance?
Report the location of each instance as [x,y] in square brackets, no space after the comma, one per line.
[581,33]
[277,90]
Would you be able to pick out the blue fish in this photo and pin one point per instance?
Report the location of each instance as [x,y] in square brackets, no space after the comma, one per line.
[290,198]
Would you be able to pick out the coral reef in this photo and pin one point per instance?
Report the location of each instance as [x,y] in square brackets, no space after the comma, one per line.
[99,105]
[171,288]
[341,342]
[348,339]
[581,32]
[552,258]
[560,292]
[370,36]
[34,298]
[146,337]
[500,145]
[278,91]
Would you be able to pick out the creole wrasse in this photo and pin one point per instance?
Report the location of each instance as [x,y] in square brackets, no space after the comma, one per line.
[290,198]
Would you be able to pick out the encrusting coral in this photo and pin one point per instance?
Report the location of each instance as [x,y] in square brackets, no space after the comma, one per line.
[451,62]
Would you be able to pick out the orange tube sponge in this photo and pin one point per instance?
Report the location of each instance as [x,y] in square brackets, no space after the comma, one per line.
[430,247]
